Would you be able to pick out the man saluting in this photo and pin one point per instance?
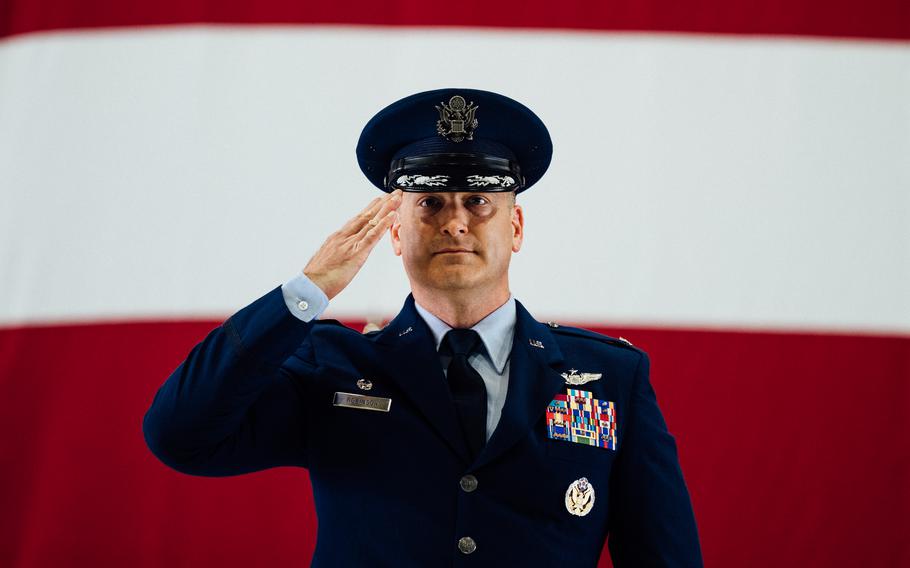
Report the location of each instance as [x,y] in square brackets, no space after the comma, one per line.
[489,439]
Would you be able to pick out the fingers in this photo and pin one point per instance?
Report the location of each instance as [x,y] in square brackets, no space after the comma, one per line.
[388,205]
[372,235]
[370,213]
[356,222]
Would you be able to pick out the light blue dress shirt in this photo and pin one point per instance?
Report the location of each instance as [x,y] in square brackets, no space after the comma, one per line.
[306,301]
[303,298]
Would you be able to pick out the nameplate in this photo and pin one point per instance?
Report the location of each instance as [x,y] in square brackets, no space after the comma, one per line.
[361,401]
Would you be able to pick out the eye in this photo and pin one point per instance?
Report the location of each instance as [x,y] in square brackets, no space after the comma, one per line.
[477,200]
[430,201]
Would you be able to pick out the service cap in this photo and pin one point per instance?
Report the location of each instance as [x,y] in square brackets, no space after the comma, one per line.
[454,140]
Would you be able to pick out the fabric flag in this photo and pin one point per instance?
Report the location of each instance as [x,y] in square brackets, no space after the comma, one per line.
[730,190]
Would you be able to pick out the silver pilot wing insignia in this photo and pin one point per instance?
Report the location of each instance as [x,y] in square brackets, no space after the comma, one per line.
[573,377]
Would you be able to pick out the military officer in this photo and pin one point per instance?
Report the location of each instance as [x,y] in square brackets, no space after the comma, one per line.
[464,433]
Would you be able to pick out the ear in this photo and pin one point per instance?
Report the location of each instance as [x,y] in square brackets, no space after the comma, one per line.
[518,227]
[394,233]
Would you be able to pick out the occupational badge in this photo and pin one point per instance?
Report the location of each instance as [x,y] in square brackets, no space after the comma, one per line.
[456,119]
[573,377]
[364,384]
[579,417]
[580,497]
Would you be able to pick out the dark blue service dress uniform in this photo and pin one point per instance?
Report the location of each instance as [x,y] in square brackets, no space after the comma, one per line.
[397,488]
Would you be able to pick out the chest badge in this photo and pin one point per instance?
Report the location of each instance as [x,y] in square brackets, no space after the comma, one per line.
[573,377]
[580,497]
[364,384]
[579,417]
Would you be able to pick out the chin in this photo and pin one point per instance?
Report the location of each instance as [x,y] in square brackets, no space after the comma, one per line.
[456,278]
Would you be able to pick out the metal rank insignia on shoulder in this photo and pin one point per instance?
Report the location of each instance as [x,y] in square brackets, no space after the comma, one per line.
[579,417]
[580,497]
[573,377]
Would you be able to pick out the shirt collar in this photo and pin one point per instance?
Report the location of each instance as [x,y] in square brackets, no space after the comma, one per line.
[496,331]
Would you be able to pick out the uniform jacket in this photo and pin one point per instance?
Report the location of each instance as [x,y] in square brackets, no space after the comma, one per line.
[258,392]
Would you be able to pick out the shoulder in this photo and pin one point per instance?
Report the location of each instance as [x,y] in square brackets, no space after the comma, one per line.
[584,346]
[335,328]
[580,334]
[334,332]
[328,337]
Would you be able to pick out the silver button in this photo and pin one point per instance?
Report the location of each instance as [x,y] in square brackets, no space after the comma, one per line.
[302,305]
[467,545]
[468,483]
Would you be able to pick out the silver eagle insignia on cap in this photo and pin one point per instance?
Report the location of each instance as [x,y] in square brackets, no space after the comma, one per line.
[580,497]
[456,119]
[573,377]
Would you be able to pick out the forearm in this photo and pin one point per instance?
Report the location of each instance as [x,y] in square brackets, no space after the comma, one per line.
[228,408]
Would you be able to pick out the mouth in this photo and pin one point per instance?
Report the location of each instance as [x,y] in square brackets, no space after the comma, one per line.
[454,251]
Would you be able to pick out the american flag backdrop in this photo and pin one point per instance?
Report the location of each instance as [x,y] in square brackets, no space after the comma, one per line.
[730,190]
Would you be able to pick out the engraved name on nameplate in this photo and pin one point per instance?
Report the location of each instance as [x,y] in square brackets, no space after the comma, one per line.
[362,401]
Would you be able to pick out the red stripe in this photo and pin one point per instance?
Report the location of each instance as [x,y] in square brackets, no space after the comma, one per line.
[880,19]
[777,477]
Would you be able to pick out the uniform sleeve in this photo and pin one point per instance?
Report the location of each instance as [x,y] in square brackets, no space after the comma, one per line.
[304,299]
[230,408]
[651,518]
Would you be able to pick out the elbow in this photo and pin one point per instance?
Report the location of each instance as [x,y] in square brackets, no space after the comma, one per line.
[168,445]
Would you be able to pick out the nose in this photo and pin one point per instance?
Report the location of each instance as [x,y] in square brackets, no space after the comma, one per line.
[455,220]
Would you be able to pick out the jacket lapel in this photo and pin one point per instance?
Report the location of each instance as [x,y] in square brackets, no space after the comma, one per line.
[409,357]
[533,380]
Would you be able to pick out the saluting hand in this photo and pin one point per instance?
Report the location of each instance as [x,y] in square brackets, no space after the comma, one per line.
[342,254]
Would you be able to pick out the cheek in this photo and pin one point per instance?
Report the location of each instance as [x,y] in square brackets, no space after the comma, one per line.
[501,243]
[408,240]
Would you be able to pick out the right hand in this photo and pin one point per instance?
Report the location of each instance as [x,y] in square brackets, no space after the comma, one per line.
[342,254]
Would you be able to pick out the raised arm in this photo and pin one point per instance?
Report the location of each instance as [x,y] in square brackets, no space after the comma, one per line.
[231,407]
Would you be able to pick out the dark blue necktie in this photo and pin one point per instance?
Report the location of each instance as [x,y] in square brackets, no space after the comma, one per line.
[467,388]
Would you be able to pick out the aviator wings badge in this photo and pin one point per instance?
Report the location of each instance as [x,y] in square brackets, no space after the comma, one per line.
[573,377]
[456,119]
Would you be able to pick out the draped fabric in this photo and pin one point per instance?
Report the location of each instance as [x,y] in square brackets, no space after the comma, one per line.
[729,190]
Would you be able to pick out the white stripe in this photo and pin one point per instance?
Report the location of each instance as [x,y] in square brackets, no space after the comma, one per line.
[696,180]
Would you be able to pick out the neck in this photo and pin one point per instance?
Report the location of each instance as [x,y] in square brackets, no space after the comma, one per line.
[461,308]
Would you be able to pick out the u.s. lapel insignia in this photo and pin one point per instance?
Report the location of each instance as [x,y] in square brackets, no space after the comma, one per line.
[536,343]
[579,417]
[364,384]
[580,497]
[574,378]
